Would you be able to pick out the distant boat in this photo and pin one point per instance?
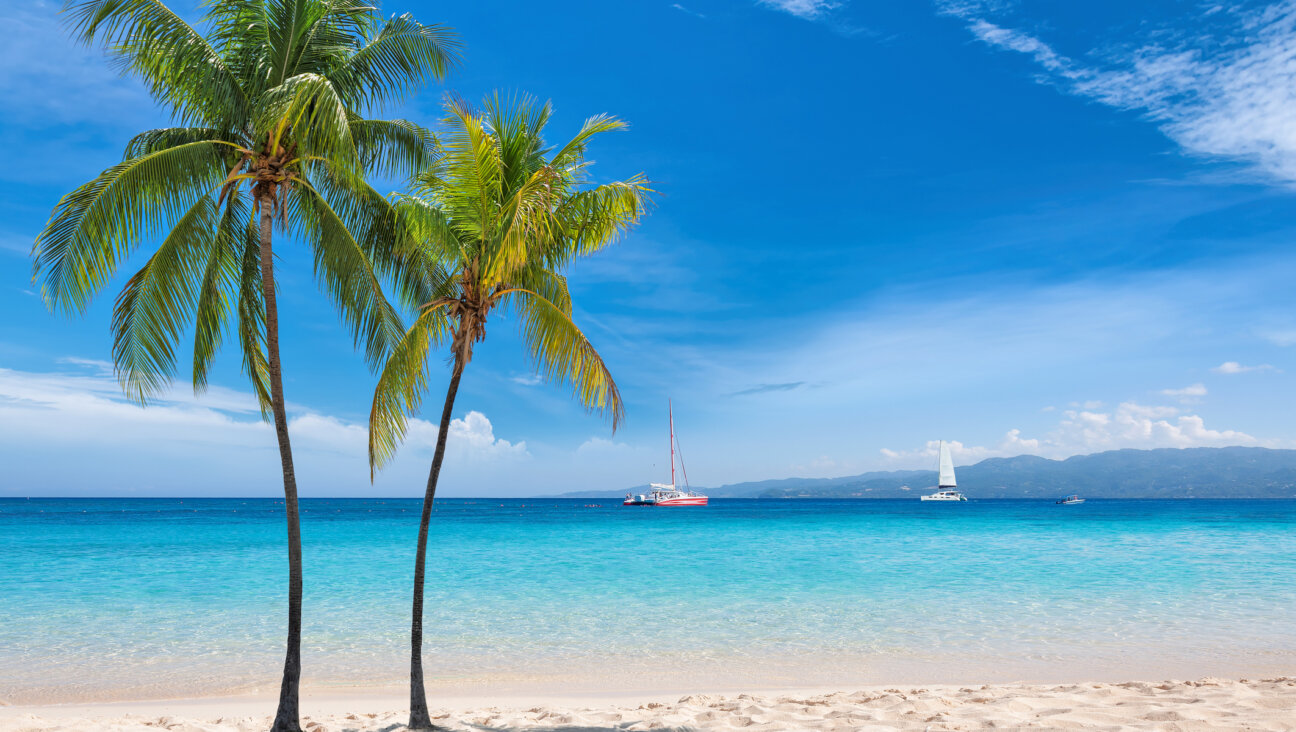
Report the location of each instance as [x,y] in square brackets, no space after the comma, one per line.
[946,485]
[668,495]
[1069,500]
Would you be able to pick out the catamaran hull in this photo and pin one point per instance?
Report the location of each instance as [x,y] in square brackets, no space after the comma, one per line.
[690,501]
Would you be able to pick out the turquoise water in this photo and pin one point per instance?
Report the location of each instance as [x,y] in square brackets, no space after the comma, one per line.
[131,598]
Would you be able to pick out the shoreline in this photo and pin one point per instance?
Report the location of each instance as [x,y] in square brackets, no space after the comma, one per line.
[1259,704]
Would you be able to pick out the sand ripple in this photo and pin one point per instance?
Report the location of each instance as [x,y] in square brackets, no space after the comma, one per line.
[1208,704]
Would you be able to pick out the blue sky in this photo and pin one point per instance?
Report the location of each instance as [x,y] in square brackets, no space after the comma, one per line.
[1028,229]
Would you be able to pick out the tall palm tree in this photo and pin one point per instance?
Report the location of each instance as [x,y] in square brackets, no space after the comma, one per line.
[268,103]
[491,225]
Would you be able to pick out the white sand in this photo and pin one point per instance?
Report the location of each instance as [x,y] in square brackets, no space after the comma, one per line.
[1209,704]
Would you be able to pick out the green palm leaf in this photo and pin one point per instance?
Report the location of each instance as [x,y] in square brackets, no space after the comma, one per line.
[403,56]
[182,70]
[347,274]
[402,383]
[219,287]
[562,353]
[155,305]
[96,225]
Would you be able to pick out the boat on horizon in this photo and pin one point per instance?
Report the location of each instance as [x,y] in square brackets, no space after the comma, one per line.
[663,494]
[946,485]
[1069,500]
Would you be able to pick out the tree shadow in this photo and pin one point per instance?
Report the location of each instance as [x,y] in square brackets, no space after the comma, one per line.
[616,727]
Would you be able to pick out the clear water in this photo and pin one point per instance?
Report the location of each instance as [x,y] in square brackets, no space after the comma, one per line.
[133,598]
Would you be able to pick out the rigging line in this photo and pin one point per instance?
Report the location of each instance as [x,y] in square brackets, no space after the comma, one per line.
[683,469]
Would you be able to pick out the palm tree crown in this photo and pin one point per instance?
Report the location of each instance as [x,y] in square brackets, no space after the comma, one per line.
[493,223]
[269,98]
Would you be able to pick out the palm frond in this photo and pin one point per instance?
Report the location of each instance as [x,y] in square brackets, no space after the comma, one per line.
[402,384]
[472,181]
[96,225]
[426,252]
[153,308]
[573,153]
[182,71]
[517,124]
[521,221]
[219,288]
[403,56]
[561,352]
[251,319]
[346,274]
[151,141]
[396,148]
[596,217]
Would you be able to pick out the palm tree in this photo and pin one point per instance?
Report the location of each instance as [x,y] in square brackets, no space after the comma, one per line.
[492,225]
[268,104]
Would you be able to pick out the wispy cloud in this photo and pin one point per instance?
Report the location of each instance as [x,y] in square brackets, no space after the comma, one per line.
[1229,93]
[16,244]
[767,388]
[808,9]
[1283,338]
[1233,367]
[686,11]
[1186,394]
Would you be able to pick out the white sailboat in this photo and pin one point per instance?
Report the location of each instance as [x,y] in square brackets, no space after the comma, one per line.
[947,486]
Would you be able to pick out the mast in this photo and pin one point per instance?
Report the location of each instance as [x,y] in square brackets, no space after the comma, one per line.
[670,410]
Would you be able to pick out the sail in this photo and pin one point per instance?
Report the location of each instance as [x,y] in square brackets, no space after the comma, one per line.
[946,467]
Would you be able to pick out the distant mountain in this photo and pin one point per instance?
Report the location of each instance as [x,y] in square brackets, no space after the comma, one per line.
[1199,472]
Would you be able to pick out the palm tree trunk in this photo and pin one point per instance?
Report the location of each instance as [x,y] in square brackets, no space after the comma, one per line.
[287,716]
[419,718]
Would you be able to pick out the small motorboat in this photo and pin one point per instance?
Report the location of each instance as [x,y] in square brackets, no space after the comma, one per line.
[1069,500]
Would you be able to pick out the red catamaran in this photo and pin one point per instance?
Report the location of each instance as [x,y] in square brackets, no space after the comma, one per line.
[668,495]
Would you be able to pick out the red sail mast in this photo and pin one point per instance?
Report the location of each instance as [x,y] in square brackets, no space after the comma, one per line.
[671,411]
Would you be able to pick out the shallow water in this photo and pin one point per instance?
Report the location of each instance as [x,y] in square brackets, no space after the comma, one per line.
[130,598]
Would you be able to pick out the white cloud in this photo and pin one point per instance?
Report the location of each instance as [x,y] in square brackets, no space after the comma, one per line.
[475,436]
[103,368]
[808,9]
[1188,392]
[1282,338]
[527,379]
[218,437]
[1022,43]
[1233,367]
[1229,93]
[1080,432]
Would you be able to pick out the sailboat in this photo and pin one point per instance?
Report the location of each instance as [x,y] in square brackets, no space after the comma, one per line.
[946,488]
[668,495]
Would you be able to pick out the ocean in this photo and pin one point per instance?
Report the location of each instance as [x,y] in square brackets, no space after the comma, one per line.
[150,598]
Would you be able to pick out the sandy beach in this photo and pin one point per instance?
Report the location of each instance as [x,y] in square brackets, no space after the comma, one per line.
[1209,703]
